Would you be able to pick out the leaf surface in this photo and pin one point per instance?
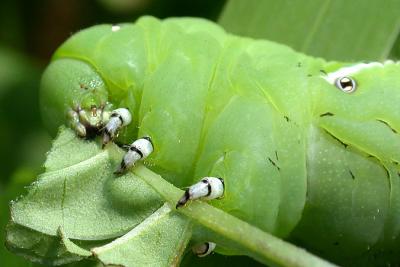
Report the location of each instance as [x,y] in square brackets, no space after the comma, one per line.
[160,240]
[80,193]
[37,247]
[395,53]
[333,29]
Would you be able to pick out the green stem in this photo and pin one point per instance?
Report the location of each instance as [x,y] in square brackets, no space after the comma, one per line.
[260,245]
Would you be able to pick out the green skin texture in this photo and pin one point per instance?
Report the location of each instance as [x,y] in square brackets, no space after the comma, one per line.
[249,111]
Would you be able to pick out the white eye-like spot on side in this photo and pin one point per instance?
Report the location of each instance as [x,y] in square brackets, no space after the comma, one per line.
[124,114]
[203,249]
[346,84]
[342,78]
[115,28]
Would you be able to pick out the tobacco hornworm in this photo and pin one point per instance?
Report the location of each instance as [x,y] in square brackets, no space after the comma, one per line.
[308,149]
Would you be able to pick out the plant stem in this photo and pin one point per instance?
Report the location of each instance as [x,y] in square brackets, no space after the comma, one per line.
[258,244]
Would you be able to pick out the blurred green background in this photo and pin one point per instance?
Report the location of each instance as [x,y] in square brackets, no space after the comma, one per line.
[30,31]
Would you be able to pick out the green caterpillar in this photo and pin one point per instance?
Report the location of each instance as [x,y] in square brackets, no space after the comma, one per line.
[309,150]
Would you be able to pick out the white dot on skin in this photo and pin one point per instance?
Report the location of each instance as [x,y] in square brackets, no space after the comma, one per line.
[115,28]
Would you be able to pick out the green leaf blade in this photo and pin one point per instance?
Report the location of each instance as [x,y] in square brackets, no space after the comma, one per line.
[83,196]
[38,247]
[338,30]
[71,246]
[160,240]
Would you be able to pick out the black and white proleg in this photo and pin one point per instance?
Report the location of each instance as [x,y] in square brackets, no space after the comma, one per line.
[203,249]
[119,118]
[138,150]
[207,188]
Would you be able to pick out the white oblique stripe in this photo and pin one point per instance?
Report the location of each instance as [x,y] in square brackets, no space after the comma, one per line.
[351,70]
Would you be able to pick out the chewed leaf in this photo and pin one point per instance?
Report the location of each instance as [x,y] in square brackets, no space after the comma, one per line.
[71,246]
[67,150]
[46,249]
[80,193]
[160,240]
[38,247]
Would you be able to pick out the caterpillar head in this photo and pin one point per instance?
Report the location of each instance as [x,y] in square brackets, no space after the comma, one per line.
[73,90]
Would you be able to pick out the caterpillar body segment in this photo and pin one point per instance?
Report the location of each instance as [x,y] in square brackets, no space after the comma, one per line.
[300,158]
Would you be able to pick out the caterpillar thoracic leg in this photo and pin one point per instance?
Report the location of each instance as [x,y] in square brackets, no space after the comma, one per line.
[75,124]
[119,118]
[88,122]
[207,188]
[203,249]
[139,149]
